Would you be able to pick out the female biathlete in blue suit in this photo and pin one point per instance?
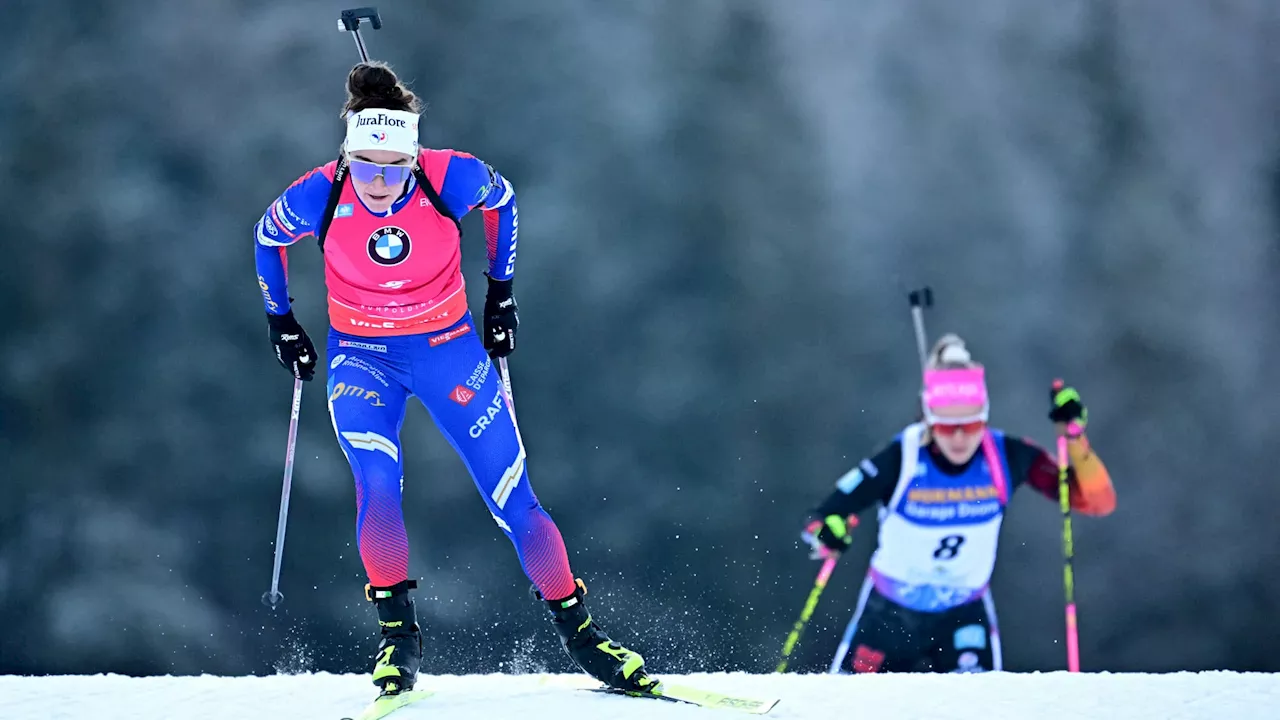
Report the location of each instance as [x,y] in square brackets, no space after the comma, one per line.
[386,218]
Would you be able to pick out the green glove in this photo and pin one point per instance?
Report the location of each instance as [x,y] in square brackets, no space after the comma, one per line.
[1068,409]
[830,534]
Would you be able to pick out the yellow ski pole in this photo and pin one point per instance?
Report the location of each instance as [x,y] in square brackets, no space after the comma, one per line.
[824,574]
[829,559]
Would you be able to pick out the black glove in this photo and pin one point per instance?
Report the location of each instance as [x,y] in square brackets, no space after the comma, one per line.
[831,534]
[500,319]
[1067,408]
[293,348]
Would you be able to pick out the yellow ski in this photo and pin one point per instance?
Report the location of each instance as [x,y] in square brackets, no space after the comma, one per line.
[708,699]
[662,690]
[384,705]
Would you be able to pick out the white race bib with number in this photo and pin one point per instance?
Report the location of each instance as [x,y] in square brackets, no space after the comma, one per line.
[939,534]
[958,556]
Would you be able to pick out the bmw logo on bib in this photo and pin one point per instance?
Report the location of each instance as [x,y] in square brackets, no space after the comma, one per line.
[389,246]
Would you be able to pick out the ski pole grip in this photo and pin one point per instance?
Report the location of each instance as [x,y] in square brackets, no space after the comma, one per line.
[349,21]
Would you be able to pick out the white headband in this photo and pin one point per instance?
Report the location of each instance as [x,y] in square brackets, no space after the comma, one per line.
[377,129]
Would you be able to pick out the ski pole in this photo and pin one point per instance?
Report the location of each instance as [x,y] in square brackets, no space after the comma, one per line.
[348,21]
[504,379]
[504,386]
[273,597]
[824,574]
[1068,550]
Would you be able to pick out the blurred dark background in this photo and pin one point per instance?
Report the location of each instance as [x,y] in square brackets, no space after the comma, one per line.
[722,204]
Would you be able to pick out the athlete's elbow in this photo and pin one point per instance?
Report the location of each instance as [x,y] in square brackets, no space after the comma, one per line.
[1100,510]
[502,196]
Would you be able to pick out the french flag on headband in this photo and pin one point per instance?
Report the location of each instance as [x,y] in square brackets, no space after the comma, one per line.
[378,129]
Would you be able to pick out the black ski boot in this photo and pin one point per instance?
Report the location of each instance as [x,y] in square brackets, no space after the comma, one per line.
[400,652]
[589,646]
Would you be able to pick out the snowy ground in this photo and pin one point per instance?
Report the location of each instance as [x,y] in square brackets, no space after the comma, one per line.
[1053,696]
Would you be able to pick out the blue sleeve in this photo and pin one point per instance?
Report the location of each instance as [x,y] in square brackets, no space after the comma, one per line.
[296,214]
[469,183]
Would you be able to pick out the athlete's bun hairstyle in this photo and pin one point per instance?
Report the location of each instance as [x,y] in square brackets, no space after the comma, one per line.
[373,84]
[949,353]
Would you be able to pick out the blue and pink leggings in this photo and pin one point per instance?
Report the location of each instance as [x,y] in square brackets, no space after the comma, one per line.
[370,382]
